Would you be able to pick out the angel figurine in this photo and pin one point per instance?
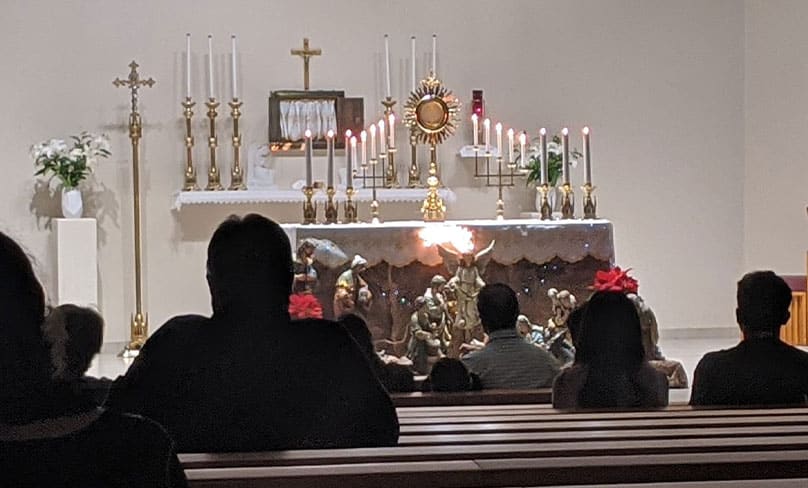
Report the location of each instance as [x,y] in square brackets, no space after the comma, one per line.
[466,284]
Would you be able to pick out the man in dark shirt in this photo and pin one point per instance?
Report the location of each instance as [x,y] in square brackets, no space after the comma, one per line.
[249,378]
[761,370]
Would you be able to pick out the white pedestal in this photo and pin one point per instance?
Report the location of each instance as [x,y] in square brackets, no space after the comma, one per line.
[76,246]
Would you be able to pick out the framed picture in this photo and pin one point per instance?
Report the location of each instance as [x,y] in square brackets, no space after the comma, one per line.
[292,112]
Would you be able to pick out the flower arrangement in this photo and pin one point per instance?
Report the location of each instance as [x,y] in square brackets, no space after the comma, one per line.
[554,161]
[71,165]
[615,279]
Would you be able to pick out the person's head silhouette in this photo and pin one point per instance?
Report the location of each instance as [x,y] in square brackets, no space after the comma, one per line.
[249,267]
[498,307]
[610,334]
[764,300]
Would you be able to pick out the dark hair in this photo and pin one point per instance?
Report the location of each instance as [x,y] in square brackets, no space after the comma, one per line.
[448,375]
[249,265]
[498,307]
[575,323]
[85,334]
[611,346]
[764,300]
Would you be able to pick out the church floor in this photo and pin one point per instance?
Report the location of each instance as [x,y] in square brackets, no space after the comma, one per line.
[687,351]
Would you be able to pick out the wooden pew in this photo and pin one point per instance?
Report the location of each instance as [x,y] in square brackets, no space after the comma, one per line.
[484,397]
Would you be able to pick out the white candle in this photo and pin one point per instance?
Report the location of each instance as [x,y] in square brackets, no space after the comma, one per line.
[233,62]
[487,129]
[329,139]
[210,66]
[188,65]
[544,156]
[475,129]
[434,54]
[498,128]
[373,142]
[522,153]
[308,158]
[382,140]
[510,146]
[391,130]
[348,160]
[565,155]
[387,61]
[363,137]
[352,155]
[587,162]
[412,61]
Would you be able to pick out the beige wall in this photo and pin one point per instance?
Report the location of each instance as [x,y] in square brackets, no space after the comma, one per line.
[660,82]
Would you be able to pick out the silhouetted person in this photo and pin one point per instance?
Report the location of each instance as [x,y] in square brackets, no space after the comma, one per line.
[249,378]
[450,375]
[52,432]
[507,361]
[610,370]
[761,370]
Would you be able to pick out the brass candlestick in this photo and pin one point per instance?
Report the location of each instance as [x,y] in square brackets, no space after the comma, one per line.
[590,203]
[214,181]
[331,213]
[544,207]
[433,208]
[390,171]
[567,202]
[190,171]
[500,201]
[236,173]
[309,207]
[374,204]
[350,207]
[414,174]
[139,327]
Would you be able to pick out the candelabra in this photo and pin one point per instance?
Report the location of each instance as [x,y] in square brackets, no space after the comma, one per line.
[309,207]
[331,213]
[374,204]
[236,173]
[414,174]
[500,201]
[590,203]
[567,202]
[190,171]
[350,207]
[390,171]
[544,207]
[214,182]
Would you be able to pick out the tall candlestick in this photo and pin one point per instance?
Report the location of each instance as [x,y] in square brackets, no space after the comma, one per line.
[188,65]
[487,128]
[210,66]
[522,153]
[434,54]
[363,137]
[387,61]
[544,156]
[373,142]
[499,139]
[308,158]
[382,140]
[412,61]
[475,129]
[565,155]
[587,162]
[391,130]
[510,146]
[233,62]
[329,139]
[351,156]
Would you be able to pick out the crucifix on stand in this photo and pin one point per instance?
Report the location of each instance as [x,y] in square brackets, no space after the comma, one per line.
[306,53]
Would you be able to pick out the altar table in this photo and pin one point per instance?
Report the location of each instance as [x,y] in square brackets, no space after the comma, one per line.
[531,256]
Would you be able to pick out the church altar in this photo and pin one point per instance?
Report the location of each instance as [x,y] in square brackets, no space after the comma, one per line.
[531,256]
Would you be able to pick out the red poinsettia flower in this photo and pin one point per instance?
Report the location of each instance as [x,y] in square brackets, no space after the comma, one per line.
[305,306]
[615,279]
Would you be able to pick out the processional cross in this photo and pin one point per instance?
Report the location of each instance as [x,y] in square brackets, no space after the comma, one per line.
[306,54]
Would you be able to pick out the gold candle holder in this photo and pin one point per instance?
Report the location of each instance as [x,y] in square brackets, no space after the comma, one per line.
[190,171]
[350,207]
[544,207]
[214,181]
[374,204]
[390,171]
[500,201]
[590,203]
[331,213]
[433,208]
[236,173]
[567,202]
[309,207]
[414,174]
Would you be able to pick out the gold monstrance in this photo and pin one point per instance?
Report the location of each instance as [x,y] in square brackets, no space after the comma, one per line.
[140,321]
[431,113]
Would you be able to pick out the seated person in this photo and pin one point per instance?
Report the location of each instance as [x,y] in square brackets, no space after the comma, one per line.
[394,377]
[249,378]
[450,375]
[761,370]
[610,369]
[52,433]
[507,361]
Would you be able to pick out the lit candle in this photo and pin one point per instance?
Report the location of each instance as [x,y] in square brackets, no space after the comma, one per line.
[210,66]
[391,130]
[329,139]
[544,161]
[308,158]
[233,62]
[348,160]
[373,142]
[565,155]
[351,156]
[188,65]
[510,146]
[382,140]
[487,128]
[498,128]
[387,61]
[475,129]
[363,137]
[587,162]
[434,54]
[412,61]
[522,153]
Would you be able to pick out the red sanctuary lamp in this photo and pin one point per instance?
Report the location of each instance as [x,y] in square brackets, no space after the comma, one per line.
[478,105]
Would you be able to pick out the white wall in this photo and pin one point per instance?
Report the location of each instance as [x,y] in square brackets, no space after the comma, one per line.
[660,82]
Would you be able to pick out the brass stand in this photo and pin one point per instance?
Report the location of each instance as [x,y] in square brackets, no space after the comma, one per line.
[433,208]
[214,181]
[236,173]
[190,171]
[414,174]
[350,207]
[500,202]
[568,202]
[139,328]
[309,207]
[331,213]
[590,203]
[390,171]
[374,204]
[544,208]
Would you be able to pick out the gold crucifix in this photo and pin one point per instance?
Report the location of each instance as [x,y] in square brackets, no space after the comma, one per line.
[306,54]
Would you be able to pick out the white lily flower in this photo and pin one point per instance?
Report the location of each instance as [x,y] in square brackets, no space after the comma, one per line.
[554,148]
